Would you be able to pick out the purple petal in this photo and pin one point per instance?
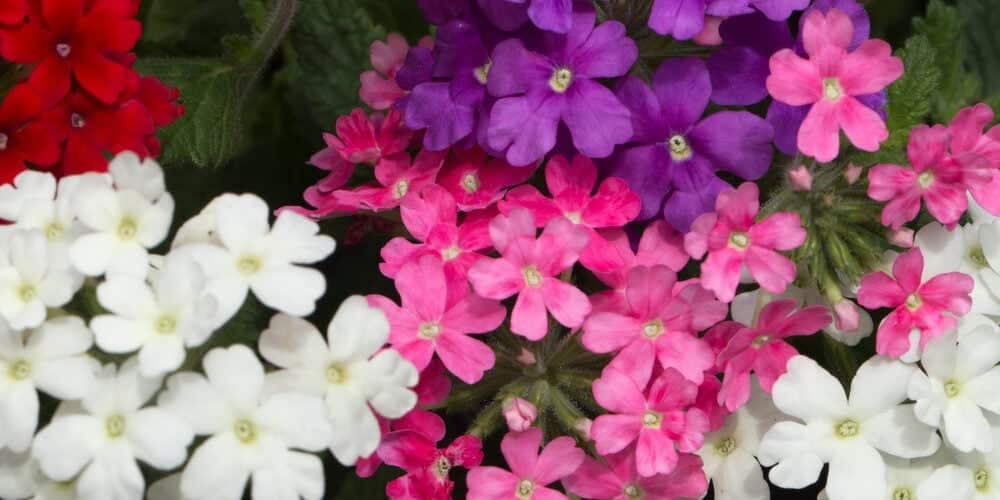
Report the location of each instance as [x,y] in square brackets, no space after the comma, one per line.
[607,53]
[738,76]
[516,69]
[648,125]
[691,174]
[854,10]
[738,142]
[418,68]
[683,87]
[780,10]
[682,19]
[526,125]
[876,101]
[508,15]
[646,170]
[786,120]
[596,118]
[438,12]
[729,8]
[757,32]
[458,48]
[431,107]
[552,15]
[683,207]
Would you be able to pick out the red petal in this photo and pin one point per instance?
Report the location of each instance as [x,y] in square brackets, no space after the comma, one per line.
[36,144]
[61,16]
[99,76]
[28,44]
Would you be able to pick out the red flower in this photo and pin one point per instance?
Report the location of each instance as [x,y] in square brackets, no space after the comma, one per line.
[13,11]
[23,138]
[86,39]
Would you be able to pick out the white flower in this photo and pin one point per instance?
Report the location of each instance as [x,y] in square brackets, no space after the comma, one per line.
[16,477]
[974,476]
[728,453]
[122,223]
[962,380]
[254,256]
[846,433]
[142,176]
[27,185]
[28,283]
[348,372]
[53,359]
[99,444]
[251,436]
[159,320]
[965,249]
[745,307]
[201,227]
[168,488]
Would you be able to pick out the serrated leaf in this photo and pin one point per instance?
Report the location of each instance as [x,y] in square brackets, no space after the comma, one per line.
[910,97]
[943,28]
[981,40]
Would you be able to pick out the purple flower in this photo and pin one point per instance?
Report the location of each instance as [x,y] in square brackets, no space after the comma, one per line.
[438,12]
[539,90]
[683,19]
[549,15]
[672,160]
[779,10]
[739,69]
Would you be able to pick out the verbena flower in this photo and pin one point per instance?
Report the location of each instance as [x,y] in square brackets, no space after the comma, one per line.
[531,472]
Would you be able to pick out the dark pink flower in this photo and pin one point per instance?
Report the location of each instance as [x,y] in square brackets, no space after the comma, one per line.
[530,471]
[396,176]
[618,478]
[426,466]
[478,182]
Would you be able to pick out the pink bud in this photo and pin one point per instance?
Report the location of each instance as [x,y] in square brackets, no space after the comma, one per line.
[710,33]
[800,178]
[902,237]
[583,427]
[848,318]
[853,173]
[526,357]
[519,413]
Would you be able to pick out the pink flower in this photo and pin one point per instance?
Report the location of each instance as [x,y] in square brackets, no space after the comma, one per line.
[733,240]
[661,422]
[660,244]
[530,472]
[967,138]
[829,80]
[437,316]
[378,87]
[530,268]
[519,414]
[396,177]
[655,324]
[936,177]
[426,466]
[361,139]
[477,182]
[763,350]
[618,478]
[432,218]
[929,307]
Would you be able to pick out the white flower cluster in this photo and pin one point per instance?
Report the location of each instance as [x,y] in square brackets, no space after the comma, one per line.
[95,233]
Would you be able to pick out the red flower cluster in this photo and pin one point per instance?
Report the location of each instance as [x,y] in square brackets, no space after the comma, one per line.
[82,101]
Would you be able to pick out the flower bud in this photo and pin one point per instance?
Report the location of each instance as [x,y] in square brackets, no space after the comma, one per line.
[519,413]
[902,237]
[847,317]
[852,173]
[583,427]
[800,178]
[526,357]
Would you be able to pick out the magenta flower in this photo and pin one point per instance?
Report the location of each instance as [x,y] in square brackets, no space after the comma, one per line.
[549,15]
[396,177]
[661,421]
[538,91]
[929,307]
[530,472]
[967,138]
[763,350]
[426,466]
[830,80]
[530,268]
[437,316]
[379,89]
[364,139]
[732,240]
[655,324]
[659,244]
[618,478]
[476,182]
[431,217]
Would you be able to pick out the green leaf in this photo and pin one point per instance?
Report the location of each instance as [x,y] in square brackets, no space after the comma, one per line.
[943,29]
[981,39]
[911,95]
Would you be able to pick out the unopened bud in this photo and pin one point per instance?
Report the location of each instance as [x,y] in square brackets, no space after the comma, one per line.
[520,414]
[583,427]
[848,318]
[709,35]
[800,178]
[526,357]
[852,173]
[902,237]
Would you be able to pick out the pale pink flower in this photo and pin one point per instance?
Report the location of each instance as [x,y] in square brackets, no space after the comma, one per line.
[662,421]
[378,87]
[530,268]
[478,182]
[426,465]
[929,307]
[519,414]
[431,217]
[437,316]
[655,324]
[936,177]
[530,471]
[732,240]
[618,478]
[396,176]
[829,80]
[763,350]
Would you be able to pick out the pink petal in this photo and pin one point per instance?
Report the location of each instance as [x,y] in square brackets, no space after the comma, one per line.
[661,244]
[819,135]
[558,459]
[614,205]
[885,181]
[863,126]
[772,270]
[425,422]
[423,288]
[608,332]
[515,224]
[528,197]
[946,202]
[927,146]
[687,354]
[869,68]
[389,55]
[735,390]
[901,210]
[740,206]
[834,28]
[474,233]
[496,278]
[648,289]
[806,321]
[542,493]
[894,333]
[397,252]
[635,361]
[465,450]
[967,127]
[378,92]
[416,350]
[568,305]
[433,205]
[985,194]
[520,449]
[655,453]
[408,450]
[593,479]
[771,363]
[720,273]
[878,290]
[560,175]
[529,318]
[794,80]
[612,433]
[464,357]
[908,269]
[559,246]
[780,231]
[474,315]
[696,241]
[491,483]
[948,291]
[618,393]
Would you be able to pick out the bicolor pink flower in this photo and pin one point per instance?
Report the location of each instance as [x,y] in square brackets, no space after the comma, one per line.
[929,308]
[660,244]
[937,178]
[763,350]
[426,466]
[830,80]
[530,471]
[661,421]
[431,217]
[530,268]
[478,182]
[733,240]
[437,316]
[967,138]
[656,324]
[618,478]
[396,176]
[379,89]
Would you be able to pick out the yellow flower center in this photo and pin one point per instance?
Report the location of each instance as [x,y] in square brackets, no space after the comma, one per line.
[114,426]
[248,265]
[441,467]
[739,241]
[679,148]
[846,428]
[726,446]
[53,230]
[27,292]
[561,79]
[532,277]
[760,340]
[981,477]
[336,374]
[470,182]
[978,257]
[165,324]
[925,179]
[4,139]
[524,489]
[429,331]
[400,189]
[127,228]
[913,302]
[652,419]
[632,491]
[245,431]
[652,329]
[832,90]
[19,370]
[450,252]
[902,494]
[482,73]
[952,388]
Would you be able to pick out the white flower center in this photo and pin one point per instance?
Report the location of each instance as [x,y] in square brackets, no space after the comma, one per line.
[832,90]
[561,79]
[441,467]
[913,302]
[846,428]
[925,179]
[336,374]
[165,324]
[652,329]
[632,491]
[726,446]
[114,426]
[532,277]
[482,73]
[739,240]
[574,217]
[248,265]
[19,370]
[64,50]
[978,257]
[77,121]
[429,330]
[679,148]
[952,388]
[524,489]
[4,139]
[53,230]
[127,228]
[902,493]
[245,431]
[471,183]
[652,419]
[981,477]
[27,292]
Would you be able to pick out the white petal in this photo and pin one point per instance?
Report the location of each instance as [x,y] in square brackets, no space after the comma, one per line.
[965,427]
[940,356]
[898,432]
[857,473]
[292,342]
[27,185]
[356,433]
[740,478]
[127,296]
[389,377]
[358,330]
[978,351]
[145,177]
[134,389]
[296,239]
[241,221]
[989,237]
[950,482]
[929,397]
[161,355]
[787,446]
[28,253]
[289,289]
[68,443]
[131,259]
[879,384]
[237,375]
[16,479]
[299,419]
[272,483]
[19,416]
[66,378]
[159,438]
[191,397]
[215,471]
[119,335]
[91,253]
[114,474]
[943,249]
[168,488]
[807,391]
[58,288]
[156,222]
[59,337]
[97,206]
[306,472]
[985,390]
[179,282]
